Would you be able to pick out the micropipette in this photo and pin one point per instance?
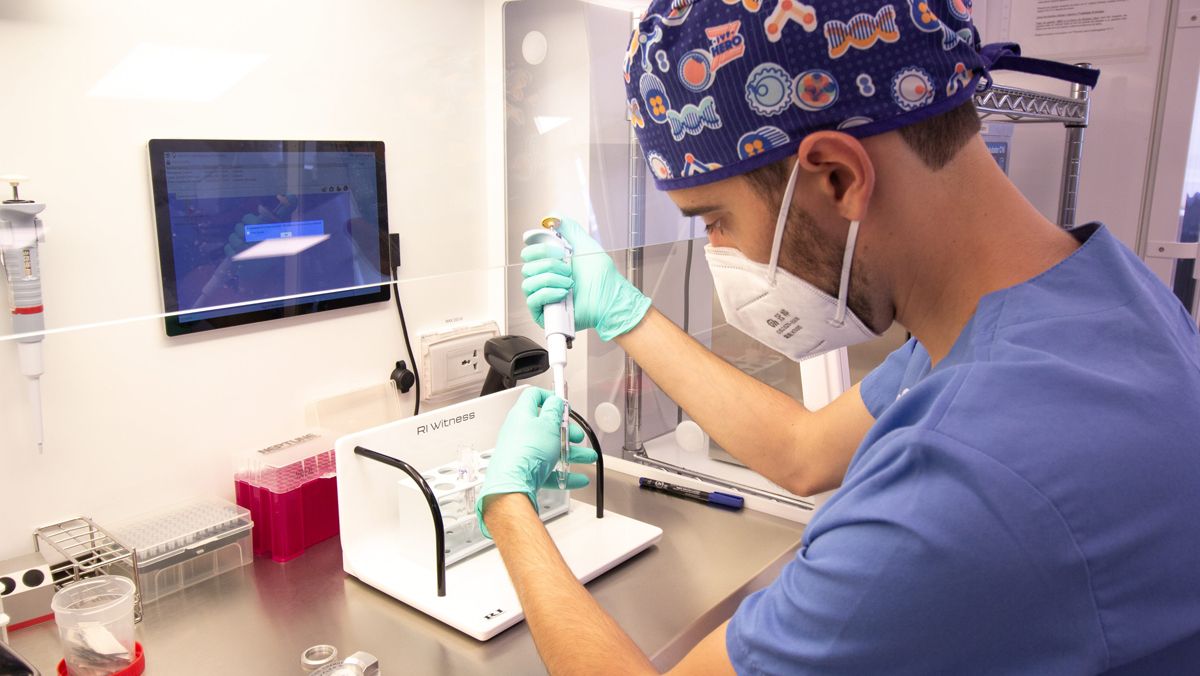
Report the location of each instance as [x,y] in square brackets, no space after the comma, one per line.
[20,232]
[559,320]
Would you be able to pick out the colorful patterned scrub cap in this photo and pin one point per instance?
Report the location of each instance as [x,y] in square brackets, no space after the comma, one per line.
[717,88]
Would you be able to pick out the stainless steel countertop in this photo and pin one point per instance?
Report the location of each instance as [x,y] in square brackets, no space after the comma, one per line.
[258,619]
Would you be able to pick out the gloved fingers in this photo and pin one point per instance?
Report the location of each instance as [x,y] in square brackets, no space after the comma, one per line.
[531,401]
[547,280]
[576,433]
[543,265]
[578,237]
[539,251]
[574,481]
[543,297]
[598,254]
[552,409]
[582,455]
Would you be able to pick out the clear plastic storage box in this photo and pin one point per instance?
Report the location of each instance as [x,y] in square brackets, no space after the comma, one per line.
[183,545]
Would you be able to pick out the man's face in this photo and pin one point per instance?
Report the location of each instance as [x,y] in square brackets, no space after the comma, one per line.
[734,215]
[740,216]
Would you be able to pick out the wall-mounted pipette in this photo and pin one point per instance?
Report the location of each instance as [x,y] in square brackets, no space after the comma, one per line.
[559,321]
[20,233]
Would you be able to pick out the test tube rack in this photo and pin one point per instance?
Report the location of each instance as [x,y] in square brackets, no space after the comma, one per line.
[83,550]
[454,485]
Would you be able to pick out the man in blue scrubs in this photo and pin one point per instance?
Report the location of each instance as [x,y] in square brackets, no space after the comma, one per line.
[1019,483]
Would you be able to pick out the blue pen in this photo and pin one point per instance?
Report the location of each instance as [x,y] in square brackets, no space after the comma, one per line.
[713,498]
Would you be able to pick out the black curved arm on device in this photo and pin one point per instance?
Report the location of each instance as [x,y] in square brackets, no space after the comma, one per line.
[587,429]
[439,534]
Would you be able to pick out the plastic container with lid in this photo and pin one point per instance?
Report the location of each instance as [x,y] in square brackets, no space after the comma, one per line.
[187,543]
[290,489]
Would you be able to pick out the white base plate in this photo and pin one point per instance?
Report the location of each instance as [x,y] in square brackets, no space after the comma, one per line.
[480,600]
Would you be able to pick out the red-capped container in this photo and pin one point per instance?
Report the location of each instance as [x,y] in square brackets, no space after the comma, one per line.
[135,669]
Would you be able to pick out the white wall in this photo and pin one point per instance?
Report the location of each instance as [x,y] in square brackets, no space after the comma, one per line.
[133,419]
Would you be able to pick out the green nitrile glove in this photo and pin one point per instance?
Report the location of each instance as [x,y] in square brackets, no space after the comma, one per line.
[527,451]
[604,299]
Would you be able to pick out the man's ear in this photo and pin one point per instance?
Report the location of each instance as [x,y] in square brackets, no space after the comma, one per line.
[840,170]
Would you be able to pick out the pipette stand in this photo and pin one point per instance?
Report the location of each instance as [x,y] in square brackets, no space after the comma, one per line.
[407,508]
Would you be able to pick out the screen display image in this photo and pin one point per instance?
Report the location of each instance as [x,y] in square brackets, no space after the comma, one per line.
[299,225]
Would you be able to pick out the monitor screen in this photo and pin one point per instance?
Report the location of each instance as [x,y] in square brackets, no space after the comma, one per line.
[255,230]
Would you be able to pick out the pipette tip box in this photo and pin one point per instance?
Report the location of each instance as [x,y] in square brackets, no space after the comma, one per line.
[290,489]
[185,544]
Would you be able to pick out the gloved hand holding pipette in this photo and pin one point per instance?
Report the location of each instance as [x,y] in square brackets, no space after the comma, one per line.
[527,451]
[571,284]
[604,300]
[558,318]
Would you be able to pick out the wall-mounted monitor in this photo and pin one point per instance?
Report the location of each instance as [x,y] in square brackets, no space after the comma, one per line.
[250,231]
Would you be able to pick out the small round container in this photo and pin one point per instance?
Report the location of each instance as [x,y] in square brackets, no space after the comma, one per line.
[95,624]
[316,657]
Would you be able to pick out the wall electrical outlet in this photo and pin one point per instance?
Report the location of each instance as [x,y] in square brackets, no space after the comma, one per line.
[452,360]
[463,364]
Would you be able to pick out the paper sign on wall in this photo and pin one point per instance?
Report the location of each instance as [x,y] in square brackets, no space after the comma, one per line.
[1081,28]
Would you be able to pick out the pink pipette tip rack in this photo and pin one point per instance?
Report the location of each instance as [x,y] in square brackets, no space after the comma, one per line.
[290,489]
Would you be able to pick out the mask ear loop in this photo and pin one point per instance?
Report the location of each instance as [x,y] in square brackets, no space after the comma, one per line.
[781,223]
[839,317]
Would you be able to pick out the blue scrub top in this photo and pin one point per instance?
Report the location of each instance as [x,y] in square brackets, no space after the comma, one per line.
[1029,506]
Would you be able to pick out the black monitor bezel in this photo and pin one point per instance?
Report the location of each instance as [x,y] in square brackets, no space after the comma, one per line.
[175,326]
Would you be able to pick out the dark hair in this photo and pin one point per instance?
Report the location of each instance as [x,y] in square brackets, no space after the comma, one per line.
[935,140]
[938,139]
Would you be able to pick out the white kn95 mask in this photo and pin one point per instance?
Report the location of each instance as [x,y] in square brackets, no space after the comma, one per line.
[777,308]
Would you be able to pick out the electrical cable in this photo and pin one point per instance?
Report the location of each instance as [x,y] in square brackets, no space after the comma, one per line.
[407,342]
[595,442]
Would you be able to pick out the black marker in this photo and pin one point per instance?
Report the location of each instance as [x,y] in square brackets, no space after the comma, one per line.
[713,498]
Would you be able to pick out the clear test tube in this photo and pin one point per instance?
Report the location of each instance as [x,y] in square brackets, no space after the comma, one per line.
[469,472]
